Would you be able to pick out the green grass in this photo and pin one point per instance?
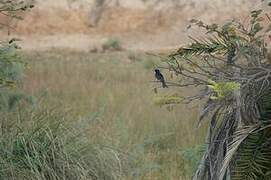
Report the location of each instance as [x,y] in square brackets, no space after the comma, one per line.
[42,146]
[106,101]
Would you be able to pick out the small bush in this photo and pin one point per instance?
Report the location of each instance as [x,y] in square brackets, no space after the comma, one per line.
[112,44]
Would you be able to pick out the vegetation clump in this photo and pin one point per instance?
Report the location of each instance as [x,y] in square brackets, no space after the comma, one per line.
[112,44]
[38,142]
[232,68]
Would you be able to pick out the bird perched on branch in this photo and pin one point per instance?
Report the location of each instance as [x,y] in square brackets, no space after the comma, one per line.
[159,76]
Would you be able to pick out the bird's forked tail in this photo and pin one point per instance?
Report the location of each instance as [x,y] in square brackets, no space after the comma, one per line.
[164,84]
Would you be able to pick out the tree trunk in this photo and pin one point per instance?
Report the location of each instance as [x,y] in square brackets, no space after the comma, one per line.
[96,12]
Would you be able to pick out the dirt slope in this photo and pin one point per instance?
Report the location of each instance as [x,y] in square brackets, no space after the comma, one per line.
[138,25]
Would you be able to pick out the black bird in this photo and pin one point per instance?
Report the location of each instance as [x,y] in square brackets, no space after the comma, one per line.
[159,76]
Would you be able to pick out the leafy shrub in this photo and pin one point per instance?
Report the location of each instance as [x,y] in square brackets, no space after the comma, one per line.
[112,44]
[11,72]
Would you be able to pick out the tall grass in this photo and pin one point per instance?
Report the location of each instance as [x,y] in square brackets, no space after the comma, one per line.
[39,144]
[111,128]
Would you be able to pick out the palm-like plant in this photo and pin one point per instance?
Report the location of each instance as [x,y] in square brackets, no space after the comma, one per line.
[233,68]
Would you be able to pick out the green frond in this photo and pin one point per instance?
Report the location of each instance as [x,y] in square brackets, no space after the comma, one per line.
[253,159]
[265,107]
[248,155]
[205,46]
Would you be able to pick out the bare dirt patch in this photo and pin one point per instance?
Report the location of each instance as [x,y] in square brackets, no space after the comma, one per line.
[54,25]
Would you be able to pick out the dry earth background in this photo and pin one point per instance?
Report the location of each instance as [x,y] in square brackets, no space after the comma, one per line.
[137,24]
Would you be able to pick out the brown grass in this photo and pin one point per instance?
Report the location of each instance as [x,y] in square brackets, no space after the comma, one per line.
[120,91]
